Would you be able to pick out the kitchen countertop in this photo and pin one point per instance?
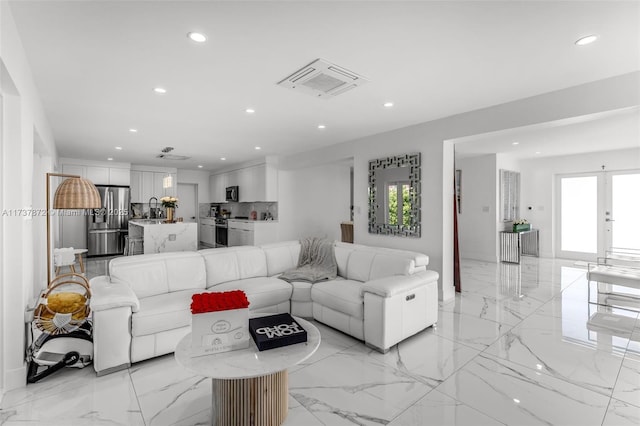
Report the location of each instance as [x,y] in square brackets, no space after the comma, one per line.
[243,220]
[252,221]
[147,222]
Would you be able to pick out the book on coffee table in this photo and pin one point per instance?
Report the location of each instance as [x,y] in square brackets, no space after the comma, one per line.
[274,331]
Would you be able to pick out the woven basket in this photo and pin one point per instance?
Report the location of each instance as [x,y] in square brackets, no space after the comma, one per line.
[64,306]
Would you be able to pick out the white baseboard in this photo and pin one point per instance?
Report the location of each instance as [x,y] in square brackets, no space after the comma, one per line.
[16,378]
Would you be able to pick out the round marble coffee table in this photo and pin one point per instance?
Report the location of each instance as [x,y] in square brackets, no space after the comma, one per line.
[249,386]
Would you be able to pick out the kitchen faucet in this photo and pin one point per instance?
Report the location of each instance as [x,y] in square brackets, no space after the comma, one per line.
[155,209]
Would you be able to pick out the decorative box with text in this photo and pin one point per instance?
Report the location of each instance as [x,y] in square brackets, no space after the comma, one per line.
[220,322]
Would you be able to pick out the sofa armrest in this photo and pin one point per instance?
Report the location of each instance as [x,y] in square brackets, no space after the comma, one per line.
[396,284]
[109,294]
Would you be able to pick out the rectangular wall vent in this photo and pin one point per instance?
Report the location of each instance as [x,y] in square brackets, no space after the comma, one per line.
[323,79]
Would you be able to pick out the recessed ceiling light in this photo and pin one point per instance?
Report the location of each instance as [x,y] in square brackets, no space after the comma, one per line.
[537,152]
[586,40]
[160,90]
[197,37]
[223,158]
[388,104]
[321,126]
[249,110]
[258,148]
[200,166]
[516,400]
[133,130]
[119,148]
[515,143]
[110,159]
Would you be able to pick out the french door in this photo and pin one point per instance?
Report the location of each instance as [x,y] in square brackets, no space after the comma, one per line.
[597,212]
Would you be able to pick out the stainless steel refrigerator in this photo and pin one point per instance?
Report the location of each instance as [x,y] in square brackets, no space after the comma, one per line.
[108,226]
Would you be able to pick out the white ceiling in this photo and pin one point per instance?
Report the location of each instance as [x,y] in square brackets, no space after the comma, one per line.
[95,64]
[598,132]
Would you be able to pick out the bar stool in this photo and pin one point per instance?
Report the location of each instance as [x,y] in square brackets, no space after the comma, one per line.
[130,245]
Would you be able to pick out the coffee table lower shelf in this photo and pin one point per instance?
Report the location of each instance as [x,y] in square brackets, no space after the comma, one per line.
[260,400]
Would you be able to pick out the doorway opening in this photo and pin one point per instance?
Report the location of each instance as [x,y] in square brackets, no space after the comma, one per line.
[187,201]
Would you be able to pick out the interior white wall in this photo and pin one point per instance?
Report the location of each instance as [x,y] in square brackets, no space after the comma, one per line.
[198,177]
[538,185]
[477,218]
[437,159]
[23,117]
[41,164]
[313,201]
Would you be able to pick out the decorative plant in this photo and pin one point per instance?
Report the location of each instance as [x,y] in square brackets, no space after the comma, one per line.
[169,202]
[521,222]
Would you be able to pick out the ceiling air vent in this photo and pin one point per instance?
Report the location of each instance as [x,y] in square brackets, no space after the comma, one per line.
[166,156]
[323,79]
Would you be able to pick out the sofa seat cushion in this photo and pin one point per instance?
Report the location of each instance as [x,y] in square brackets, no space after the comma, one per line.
[163,312]
[261,291]
[341,295]
[301,291]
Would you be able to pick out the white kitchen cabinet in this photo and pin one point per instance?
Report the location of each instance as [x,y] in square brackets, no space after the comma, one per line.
[146,187]
[148,184]
[208,233]
[217,186]
[118,176]
[97,175]
[248,187]
[260,183]
[251,233]
[240,237]
[256,183]
[159,190]
[73,169]
[100,175]
[136,186]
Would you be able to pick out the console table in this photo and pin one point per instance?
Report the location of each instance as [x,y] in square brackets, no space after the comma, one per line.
[513,245]
[249,386]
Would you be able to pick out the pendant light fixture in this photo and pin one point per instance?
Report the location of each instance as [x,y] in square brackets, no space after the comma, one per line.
[167,181]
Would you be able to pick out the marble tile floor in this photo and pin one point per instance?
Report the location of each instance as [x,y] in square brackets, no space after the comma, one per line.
[519,346]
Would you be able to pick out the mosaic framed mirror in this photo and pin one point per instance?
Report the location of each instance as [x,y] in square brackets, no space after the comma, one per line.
[394,195]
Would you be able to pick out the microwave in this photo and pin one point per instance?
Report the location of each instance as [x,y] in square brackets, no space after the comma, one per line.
[232,193]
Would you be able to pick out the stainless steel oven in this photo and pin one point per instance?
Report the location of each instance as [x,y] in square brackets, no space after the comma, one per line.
[221,232]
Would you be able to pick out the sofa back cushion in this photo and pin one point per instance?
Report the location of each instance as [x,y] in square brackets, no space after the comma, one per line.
[281,256]
[342,252]
[153,274]
[233,263]
[420,260]
[365,265]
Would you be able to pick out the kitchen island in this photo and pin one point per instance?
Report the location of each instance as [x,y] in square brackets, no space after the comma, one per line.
[160,237]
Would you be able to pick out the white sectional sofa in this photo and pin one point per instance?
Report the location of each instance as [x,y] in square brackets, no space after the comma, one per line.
[142,308]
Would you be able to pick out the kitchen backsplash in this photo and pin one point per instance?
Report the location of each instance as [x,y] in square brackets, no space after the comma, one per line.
[242,209]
